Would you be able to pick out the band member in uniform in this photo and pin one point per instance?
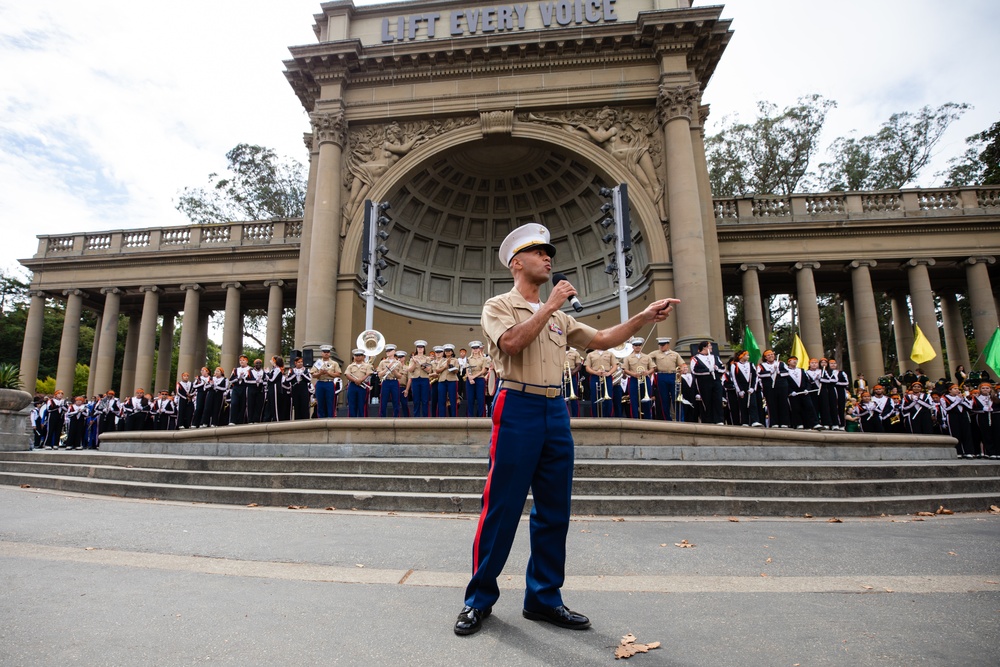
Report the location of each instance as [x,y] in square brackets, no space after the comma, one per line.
[238,381]
[298,382]
[667,362]
[358,375]
[76,423]
[108,408]
[744,377]
[256,388]
[920,407]
[814,374]
[405,387]
[955,409]
[202,385]
[216,398]
[164,410]
[575,362]
[869,417]
[477,366]
[840,394]
[135,410]
[323,373]
[687,399]
[532,446]
[984,419]
[708,371]
[800,405]
[447,370]
[599,365]
[638,367]
[436,411]
[277,402]
[828,414]
[389,371]
[55,414]
[185,401]
[419,370]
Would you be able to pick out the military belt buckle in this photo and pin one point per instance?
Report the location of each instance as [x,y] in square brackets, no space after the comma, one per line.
[553,392]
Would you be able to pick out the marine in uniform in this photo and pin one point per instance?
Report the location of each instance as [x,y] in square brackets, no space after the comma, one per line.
[404,383]
[531,444]
[389,371]
[667,362]
[600,364]
[435,394]
[420,379]
[476,368]
[447,384]
[324,372]
[358,373]
[639,367]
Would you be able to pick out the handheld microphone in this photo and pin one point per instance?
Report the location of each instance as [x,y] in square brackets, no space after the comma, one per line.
[558,278]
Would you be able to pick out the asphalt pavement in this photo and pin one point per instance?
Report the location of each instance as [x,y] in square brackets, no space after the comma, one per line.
[106,581]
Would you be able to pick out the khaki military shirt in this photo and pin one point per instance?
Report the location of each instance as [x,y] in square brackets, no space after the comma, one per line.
[417,363]
[383,369]
[574,358]
[476,367]
[359,372]
[442,365]
[601,361]
[666,362]
[330,367]
[542,361]
[638,364]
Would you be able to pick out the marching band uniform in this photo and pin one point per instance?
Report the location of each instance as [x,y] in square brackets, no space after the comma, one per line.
[689,404]
[985,421]
[277,402]
[955,410]
[256,386]
[708,374]
[869,415]
[920,407]
[814,376]
[108,409]
[136,410]
[55,414]
[37,424]
[238,381]
[76,424]
[730,411]
[882,407]
[163,411]
[667,362]
[747,383]
[358,372]
[92,429]
[202,385]
[599,365]
[185,402]
[298,382]
[638,366]
[389,371]
[800,405]
[323,373]
[575,362]
[840,395]
[447,370]
[477,366]
[215,399]
[419,370]
[828,398]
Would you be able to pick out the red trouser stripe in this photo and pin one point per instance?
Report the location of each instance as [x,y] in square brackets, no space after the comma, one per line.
[497,414]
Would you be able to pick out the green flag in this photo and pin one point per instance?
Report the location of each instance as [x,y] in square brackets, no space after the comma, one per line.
[992,352]
[750,345]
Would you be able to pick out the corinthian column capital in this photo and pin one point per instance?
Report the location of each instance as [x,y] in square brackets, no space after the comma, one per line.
[329,127]
[678,102]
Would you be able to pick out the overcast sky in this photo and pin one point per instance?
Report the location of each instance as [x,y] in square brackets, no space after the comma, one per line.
[108,109]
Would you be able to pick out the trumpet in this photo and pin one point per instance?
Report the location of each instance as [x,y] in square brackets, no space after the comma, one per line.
[568,380]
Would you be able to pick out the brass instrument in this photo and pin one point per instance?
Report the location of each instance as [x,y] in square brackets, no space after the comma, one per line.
[568,380]
[644,391]
[372,342]
[388,371]
[604,385]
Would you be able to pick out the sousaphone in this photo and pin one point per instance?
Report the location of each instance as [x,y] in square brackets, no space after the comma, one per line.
[372,342]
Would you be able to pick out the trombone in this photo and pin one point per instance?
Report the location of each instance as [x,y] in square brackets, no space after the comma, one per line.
[604,385]
[568,380]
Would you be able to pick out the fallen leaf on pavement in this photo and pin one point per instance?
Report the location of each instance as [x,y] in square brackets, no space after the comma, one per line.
[89,548]
[684,544]
[664,544]
[952,553]
[834,520]
[252,505]
[628,647]
[808,516]
[734,519]
[618,519]
[359,565]
[942,510]
[763,574]
[925,513]
[330,509]
[26,486]
[867,588]
[889,590]
[298,507]
[995,509]
[993,582]
[768,560]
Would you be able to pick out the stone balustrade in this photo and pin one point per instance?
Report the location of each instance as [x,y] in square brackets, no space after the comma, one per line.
[879,205]
[253,233]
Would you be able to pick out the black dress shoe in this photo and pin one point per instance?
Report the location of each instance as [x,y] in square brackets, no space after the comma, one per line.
[470,620]
[561,616]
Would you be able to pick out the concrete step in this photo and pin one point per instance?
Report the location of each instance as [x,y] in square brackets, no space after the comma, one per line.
[453,485]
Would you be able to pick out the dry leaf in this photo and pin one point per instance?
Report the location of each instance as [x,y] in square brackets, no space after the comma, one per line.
[684,544]
[770,537]
[664,544]
[834,520]
[925,513]
[627,647]
[763,574]
[252,505]
[26,486]
[359,565]
[298,507]
[618,519]
[918,519]
[867,588]
[89,548]
[995,509]
[652,645]
[734,519]
[952,553]
[889,590]
[942,510]
[628,639]
[768,560]
[330,509]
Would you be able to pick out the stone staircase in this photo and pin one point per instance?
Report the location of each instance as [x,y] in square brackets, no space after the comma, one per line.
[454,485]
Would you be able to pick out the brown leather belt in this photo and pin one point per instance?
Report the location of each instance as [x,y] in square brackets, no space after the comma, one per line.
[538,390]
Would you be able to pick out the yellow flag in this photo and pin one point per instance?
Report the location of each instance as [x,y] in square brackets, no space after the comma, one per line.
[923,351]
[799,350]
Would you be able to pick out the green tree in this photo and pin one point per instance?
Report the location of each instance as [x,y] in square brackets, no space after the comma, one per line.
[258,185]
[771,155]
[980,163]
[894,156]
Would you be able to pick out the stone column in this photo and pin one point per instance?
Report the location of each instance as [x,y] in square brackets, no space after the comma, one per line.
[201,351]
[31,349]
[129,358]
[924,314]
[809,324]
[330,130]
[765,308]
[954,333]
[189,332]
[275,309]
[713,263]
[902,329]
[66,369]
[146,348]
[852,349]
[753,311]
[232,328]
[981,300]
[676,106]
[302,281]
[165,352]
[109,340]
[93,355]
[869,342]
